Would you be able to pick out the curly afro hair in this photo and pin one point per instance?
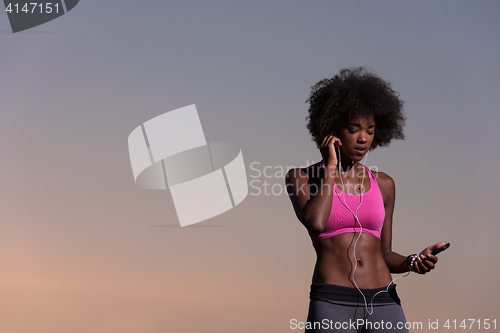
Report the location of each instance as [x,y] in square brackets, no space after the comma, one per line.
[355,92]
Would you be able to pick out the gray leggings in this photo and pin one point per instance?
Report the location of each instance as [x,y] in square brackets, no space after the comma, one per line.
[325,316]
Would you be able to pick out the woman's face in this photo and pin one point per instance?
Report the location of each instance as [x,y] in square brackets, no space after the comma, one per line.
[356,136]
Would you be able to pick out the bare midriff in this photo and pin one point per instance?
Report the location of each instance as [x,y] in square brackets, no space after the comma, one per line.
[335,261]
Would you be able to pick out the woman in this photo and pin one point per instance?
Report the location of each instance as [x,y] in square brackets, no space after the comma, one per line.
[348,209]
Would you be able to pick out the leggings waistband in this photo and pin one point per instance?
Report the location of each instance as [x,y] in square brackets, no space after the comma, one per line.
[351,296]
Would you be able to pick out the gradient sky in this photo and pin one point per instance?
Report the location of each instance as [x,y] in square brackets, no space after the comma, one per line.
[83,249]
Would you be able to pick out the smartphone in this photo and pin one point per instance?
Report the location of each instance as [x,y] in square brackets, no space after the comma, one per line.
[441,249]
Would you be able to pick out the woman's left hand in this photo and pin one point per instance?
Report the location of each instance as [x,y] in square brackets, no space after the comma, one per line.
[426,261]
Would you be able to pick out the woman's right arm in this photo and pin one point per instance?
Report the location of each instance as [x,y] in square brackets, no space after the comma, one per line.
[312,200]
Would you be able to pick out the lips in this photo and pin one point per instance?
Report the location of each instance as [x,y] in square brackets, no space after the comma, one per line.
[360,149]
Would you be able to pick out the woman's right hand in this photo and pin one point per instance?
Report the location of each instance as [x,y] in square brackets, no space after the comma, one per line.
[327,150]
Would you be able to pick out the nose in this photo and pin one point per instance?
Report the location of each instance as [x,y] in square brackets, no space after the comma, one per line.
[362,137]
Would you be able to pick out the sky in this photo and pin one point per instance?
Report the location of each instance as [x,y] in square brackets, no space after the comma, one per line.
[84,249]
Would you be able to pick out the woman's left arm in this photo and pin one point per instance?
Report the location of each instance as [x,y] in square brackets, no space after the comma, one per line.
[396,262]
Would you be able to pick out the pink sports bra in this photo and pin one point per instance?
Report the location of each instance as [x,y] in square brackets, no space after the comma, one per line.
[371,213]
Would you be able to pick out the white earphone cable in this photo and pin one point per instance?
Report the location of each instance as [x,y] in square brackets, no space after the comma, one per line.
[356,219]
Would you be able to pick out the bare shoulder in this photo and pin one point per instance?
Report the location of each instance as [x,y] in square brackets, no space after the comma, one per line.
[383,179]
[309,172]
[295,173]
[385,183]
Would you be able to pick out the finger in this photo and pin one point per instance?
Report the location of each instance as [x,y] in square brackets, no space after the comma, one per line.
[422,267]
[431,258]
[324,140]
[333,143]
[416,267]
[427,264]
[330,141]
[437,246]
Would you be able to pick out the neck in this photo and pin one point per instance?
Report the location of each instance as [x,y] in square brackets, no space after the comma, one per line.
[349,168]
[345,165]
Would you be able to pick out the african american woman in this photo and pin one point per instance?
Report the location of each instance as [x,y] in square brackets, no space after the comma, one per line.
[347,208]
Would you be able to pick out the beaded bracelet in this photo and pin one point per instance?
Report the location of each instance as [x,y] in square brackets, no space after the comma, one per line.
[410,261]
